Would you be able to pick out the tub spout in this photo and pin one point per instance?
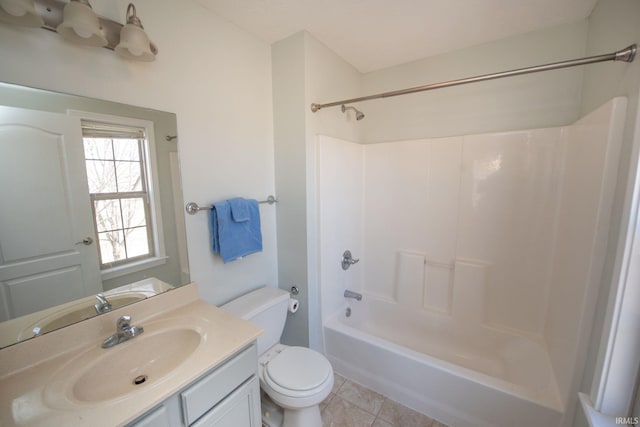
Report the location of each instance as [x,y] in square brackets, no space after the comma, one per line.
[354,295]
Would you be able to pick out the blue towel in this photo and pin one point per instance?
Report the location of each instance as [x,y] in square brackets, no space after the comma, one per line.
[239,209]
[235,228]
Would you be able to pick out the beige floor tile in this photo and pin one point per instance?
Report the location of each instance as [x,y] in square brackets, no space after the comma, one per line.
[362,397]
[338,380]
[326,401]
[340,413]
[381,423]
[399,415]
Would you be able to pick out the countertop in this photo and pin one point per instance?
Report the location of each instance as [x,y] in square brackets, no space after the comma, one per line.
[28,369]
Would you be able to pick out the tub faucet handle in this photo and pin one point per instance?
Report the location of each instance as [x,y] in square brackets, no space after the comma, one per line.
[348,260]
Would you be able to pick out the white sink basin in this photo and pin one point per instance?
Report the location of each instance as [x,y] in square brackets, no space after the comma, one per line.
[65,378]
[98,374]
[122,369]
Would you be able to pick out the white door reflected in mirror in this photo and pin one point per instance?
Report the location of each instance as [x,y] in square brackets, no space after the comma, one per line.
[43,213]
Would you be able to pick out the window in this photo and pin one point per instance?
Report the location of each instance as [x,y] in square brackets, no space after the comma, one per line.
[118,178]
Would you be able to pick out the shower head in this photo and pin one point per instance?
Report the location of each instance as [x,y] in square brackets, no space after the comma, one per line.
[359,114]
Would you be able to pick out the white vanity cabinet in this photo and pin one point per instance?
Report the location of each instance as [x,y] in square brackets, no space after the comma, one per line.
[226,396]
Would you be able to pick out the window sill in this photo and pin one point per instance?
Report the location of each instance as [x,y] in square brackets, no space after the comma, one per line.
[121,270]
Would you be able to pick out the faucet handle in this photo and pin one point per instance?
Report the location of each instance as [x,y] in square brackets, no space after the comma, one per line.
[103,305]
[347,260]
[124,323]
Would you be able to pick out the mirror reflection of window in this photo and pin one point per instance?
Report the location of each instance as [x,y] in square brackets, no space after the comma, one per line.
[115,159]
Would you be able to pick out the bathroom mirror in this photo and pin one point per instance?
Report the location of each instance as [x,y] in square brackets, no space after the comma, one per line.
[90,203]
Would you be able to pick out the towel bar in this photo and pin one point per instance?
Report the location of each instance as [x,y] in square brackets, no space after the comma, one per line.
[192,207]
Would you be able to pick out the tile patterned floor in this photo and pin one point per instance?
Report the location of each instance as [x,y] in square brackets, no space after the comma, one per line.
[352,405]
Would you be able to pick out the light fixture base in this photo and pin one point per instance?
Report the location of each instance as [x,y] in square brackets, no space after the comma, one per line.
[20,12]
[51,13]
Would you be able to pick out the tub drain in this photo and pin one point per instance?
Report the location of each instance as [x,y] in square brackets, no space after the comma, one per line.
[139,379]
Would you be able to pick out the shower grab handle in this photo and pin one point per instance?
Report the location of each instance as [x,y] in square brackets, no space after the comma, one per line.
[348,260]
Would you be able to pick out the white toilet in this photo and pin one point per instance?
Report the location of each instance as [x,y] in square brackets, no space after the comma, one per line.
[297,379]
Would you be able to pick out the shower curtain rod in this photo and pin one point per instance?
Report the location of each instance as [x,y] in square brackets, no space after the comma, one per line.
[627,54]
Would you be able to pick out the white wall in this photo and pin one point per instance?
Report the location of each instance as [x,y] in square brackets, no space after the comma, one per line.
[215,77]
[523,102]
[304,71]
[290,159]
[613,25]
[328,76]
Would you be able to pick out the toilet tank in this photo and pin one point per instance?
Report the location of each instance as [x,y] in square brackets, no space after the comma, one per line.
[265,307]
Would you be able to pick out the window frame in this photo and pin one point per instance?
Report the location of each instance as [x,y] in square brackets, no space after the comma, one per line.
[154,220]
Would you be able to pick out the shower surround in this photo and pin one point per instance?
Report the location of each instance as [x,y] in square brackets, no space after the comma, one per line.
[481,257]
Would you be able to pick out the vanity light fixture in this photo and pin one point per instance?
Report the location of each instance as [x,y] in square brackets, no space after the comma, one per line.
[134,42]
[76,21]
[80,24]
[20,12]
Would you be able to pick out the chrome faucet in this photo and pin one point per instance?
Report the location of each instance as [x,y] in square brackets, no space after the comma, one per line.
[354,295]
[124,332]
[347,260]
[103,305]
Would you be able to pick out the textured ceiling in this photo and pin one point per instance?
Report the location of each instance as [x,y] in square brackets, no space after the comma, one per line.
[374,34]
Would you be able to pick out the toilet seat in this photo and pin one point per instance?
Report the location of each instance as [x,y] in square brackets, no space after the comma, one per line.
[282,369]
[297,372]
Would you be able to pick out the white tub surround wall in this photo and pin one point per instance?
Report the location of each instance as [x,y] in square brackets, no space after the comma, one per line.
[319,75]
[582,230]
[341,168]
[504,232]
[223,107]
[612,22]
[614,380]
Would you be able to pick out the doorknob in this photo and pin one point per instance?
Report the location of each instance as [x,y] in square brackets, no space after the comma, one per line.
[86,241]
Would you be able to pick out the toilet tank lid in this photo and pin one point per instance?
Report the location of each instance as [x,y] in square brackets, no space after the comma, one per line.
[252,303]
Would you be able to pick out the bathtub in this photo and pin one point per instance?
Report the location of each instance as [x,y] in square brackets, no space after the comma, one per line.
[462,375]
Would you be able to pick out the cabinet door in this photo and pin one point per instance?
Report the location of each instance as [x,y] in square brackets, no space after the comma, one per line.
[240,409]
[159,417]
[212,388]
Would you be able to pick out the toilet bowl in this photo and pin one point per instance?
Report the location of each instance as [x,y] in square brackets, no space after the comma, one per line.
[297,379]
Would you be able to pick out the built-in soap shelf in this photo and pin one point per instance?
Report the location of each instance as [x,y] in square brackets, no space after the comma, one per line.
[455,288]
